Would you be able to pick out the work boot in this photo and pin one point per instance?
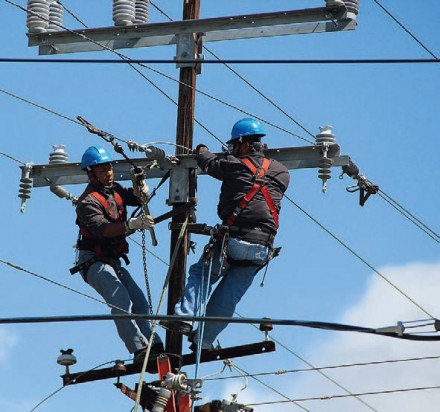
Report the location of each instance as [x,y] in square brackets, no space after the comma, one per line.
[155,351]
[177,326]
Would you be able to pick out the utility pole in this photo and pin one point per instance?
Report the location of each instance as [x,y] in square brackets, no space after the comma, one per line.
[184,137]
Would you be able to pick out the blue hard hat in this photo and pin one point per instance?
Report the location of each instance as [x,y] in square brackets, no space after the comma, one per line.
[94,155]
[247,127]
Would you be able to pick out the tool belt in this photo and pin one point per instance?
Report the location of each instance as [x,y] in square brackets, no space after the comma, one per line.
[102,250]
[255,235]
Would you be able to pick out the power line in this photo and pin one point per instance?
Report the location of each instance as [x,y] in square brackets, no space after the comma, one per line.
[73,15]
[329,397]
[40,107]
[408,215]
[405,29]
[217,61]
[342,366]
[12,158]
[128,61]
[329,378]
[67,384]
[331,326]
[288,400]
[242,78]
[358,256]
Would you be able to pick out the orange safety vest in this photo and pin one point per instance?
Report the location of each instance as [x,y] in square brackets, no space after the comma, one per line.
[114,247]
[259,185]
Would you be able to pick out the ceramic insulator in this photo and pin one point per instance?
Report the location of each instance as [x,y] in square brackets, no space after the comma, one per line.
[142,11]
[123,12]
[37,20]
[55,16]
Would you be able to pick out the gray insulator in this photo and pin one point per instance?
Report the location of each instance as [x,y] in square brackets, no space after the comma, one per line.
[142,12]
[123,12]
[325,138]
[334,3]
[66,358]
[59,155]
[25,186]
[55,16]
[37,20]
[161,401]
[154,153]
[63,193]
[352,7]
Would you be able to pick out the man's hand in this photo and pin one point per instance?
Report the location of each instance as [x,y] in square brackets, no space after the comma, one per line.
[200,148]
[140,188]
[141,223]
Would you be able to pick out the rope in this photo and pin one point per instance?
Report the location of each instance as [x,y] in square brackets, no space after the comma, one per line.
[153,325]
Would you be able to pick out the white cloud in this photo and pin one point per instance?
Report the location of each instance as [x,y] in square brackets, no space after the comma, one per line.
[381,305]
[7,342]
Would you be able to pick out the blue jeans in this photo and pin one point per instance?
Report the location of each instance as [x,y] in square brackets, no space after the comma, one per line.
[234,279]
[115,284]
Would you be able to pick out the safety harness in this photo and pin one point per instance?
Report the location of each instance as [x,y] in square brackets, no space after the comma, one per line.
[103,247]
[259,184]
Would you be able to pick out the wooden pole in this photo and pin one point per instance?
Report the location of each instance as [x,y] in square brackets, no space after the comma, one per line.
[184,137]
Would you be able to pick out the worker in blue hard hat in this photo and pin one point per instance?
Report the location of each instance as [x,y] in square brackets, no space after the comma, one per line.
[249,205]
[102,219]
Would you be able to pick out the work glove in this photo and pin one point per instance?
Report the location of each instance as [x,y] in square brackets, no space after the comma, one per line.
[141,222]
[140,188]
[200,148]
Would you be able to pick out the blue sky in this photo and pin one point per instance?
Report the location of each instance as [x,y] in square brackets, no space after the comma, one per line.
[384,116]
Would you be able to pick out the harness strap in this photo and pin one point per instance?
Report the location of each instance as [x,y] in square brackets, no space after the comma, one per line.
[104,202]
[259,184]
[121,216]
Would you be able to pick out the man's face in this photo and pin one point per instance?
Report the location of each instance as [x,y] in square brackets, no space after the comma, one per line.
[240,148]
[104,174]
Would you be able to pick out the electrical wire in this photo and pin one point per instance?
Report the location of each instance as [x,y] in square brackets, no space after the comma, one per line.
[17,267]
[40,106]
[128,61]
[12,158]
[408,215]
[358,256]
[320,368]
[68,383]
[288,400]
[329,397]
[405,29]
[52,60]
[329,378]
[242,78]
[73,14]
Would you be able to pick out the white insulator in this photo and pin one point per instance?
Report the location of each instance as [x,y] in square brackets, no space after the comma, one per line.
[161,401]
[37,16]
[123,12]
[175,381]
[325,135]
[55,16]
[142,14]
[59,155]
